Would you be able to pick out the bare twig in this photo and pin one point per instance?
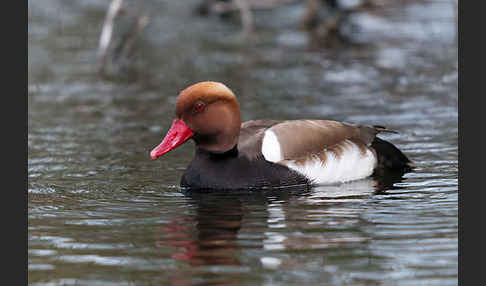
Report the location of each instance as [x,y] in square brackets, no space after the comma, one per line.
[117,44]
[107,31]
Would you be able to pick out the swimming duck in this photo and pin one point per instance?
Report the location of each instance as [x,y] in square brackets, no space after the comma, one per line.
[270,153]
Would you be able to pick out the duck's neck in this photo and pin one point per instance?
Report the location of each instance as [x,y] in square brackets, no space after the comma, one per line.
[217,143]
[233,152]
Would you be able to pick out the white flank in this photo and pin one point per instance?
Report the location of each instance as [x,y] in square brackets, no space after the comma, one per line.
[352,165]
[271,147]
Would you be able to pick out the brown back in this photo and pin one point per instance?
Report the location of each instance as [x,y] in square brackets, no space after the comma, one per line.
[300,138]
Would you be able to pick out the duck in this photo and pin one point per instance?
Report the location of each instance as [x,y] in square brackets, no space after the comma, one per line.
[257,154]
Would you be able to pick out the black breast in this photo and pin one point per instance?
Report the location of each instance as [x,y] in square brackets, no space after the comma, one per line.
[233,170]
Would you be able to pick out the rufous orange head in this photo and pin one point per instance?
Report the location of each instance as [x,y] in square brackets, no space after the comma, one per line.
[207,112]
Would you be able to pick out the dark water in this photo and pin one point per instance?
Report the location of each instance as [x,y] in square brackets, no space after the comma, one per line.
[100,212]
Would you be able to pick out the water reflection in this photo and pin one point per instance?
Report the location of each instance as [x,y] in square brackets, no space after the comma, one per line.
[209,237]
[227,224]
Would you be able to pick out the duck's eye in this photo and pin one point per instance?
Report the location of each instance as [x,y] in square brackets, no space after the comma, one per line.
[199,106]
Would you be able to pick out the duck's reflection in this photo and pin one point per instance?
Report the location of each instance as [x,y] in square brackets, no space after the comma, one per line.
[209,238]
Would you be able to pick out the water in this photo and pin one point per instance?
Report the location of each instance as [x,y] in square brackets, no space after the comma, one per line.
[100,212]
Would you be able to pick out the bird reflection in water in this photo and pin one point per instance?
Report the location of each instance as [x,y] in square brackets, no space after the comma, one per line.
[206,239]
[209,238]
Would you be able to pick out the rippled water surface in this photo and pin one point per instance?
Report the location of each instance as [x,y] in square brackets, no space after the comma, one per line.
[100,212]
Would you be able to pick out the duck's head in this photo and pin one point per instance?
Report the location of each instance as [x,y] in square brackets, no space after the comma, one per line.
[207,112]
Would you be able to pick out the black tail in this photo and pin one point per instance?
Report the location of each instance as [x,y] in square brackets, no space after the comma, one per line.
[390,157]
